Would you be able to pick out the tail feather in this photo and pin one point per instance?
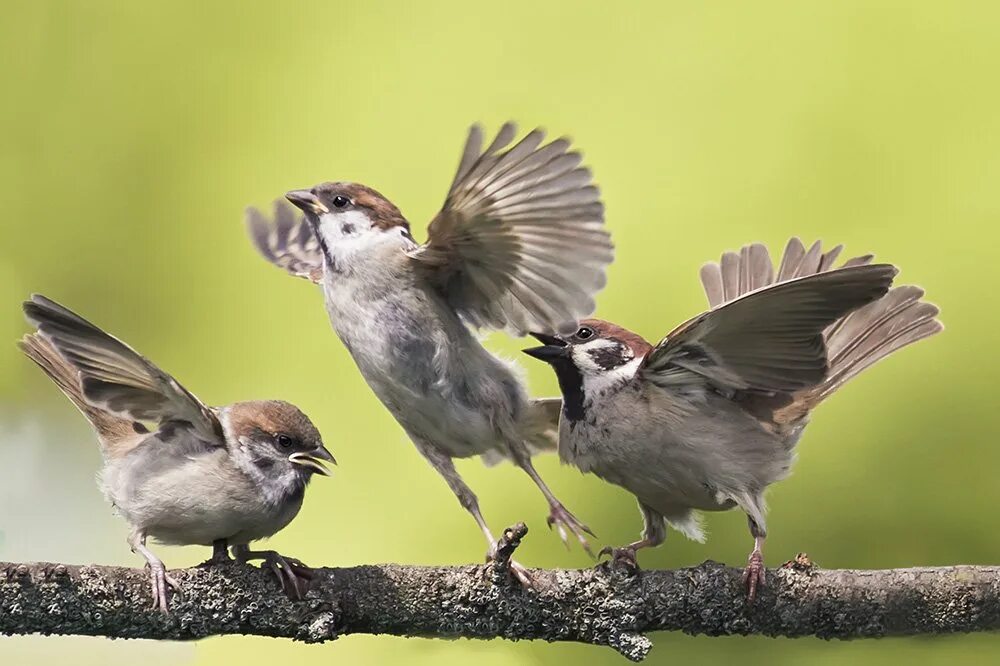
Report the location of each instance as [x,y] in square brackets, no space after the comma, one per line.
[854,342]
[871,333]
[111,430]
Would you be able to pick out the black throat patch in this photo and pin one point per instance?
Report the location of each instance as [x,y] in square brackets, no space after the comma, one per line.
[314,225]
[571,385]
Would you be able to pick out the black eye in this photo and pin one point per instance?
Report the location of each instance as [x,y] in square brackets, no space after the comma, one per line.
[340,202]
[585,333]
[284,441]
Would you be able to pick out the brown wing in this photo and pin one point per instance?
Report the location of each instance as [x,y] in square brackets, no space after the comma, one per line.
[287,242]
[520,243]
[770,339]
[117,435]
[854,342]
[114,377]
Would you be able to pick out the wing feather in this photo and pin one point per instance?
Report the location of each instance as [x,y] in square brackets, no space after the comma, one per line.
[520,243]
[287,242]
[113,376]
[770,339]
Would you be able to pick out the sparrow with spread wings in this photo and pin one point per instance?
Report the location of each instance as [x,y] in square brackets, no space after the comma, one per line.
[519,245]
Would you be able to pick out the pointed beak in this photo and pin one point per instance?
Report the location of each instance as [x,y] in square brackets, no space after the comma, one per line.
[313,460]
[553,348]
[307,201]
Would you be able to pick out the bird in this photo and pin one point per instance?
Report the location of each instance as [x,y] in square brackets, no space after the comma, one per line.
[176,470]
[708,418]
[518,245]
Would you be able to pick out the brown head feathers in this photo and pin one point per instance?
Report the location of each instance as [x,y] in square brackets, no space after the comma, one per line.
[382,212]
[605,329]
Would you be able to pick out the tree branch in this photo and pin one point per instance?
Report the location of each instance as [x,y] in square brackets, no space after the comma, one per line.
[601,606]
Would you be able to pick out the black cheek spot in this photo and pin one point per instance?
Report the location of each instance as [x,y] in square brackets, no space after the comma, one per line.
[608,357]
[263,464]
[346,228]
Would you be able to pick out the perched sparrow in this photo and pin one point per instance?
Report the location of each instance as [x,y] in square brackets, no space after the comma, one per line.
[709,417]
[208,476]
[519,244]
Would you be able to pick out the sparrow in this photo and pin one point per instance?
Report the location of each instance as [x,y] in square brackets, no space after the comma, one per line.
[176,470]
[709,417]
[518,245]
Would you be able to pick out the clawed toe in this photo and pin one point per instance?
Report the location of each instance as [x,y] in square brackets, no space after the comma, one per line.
[293,576]
[159,581]
[754,575]
[620,557]
[521,574]
[564,520]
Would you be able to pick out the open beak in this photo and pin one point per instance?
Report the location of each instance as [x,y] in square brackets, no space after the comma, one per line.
[313,460]
[553,348]
[307,201]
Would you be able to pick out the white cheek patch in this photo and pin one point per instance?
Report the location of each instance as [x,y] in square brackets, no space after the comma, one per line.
[584,358]
[597,377]
[597,383]
[337,226]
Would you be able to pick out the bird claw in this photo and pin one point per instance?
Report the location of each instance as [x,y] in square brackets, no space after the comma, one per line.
[521,574]
[624,556]
[292,574]
[159,581]
[754,575]
[564,520]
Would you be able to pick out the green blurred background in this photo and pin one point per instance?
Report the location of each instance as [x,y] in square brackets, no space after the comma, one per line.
[134,134]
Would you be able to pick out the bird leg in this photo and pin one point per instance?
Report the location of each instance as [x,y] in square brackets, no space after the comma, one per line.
[443,463]
[625,556]
[559,515]
[158,578]
[754,575]
[654,533]
[292,574]
[220,553]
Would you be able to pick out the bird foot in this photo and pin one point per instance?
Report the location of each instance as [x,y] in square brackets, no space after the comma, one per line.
[564,522]
[159,581]
[293,575]
[623,557]
[754,575]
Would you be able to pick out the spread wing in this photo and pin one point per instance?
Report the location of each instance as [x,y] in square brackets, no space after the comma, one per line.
[769,340]
[739,273]
[520,243]
[288,242]
[113,376]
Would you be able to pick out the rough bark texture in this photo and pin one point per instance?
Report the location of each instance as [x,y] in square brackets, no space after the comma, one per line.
[601,606]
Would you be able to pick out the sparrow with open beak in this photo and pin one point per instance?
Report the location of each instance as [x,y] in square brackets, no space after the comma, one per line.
[519,245]
[207,476]
[709,417]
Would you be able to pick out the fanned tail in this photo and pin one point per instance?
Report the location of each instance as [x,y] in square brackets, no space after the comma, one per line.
[854,342]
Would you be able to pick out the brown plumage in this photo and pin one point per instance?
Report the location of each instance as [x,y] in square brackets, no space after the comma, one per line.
[218,477]
[854,342]
[606,329]
[116,435]
[383,213]
[271,416]
[710,417]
